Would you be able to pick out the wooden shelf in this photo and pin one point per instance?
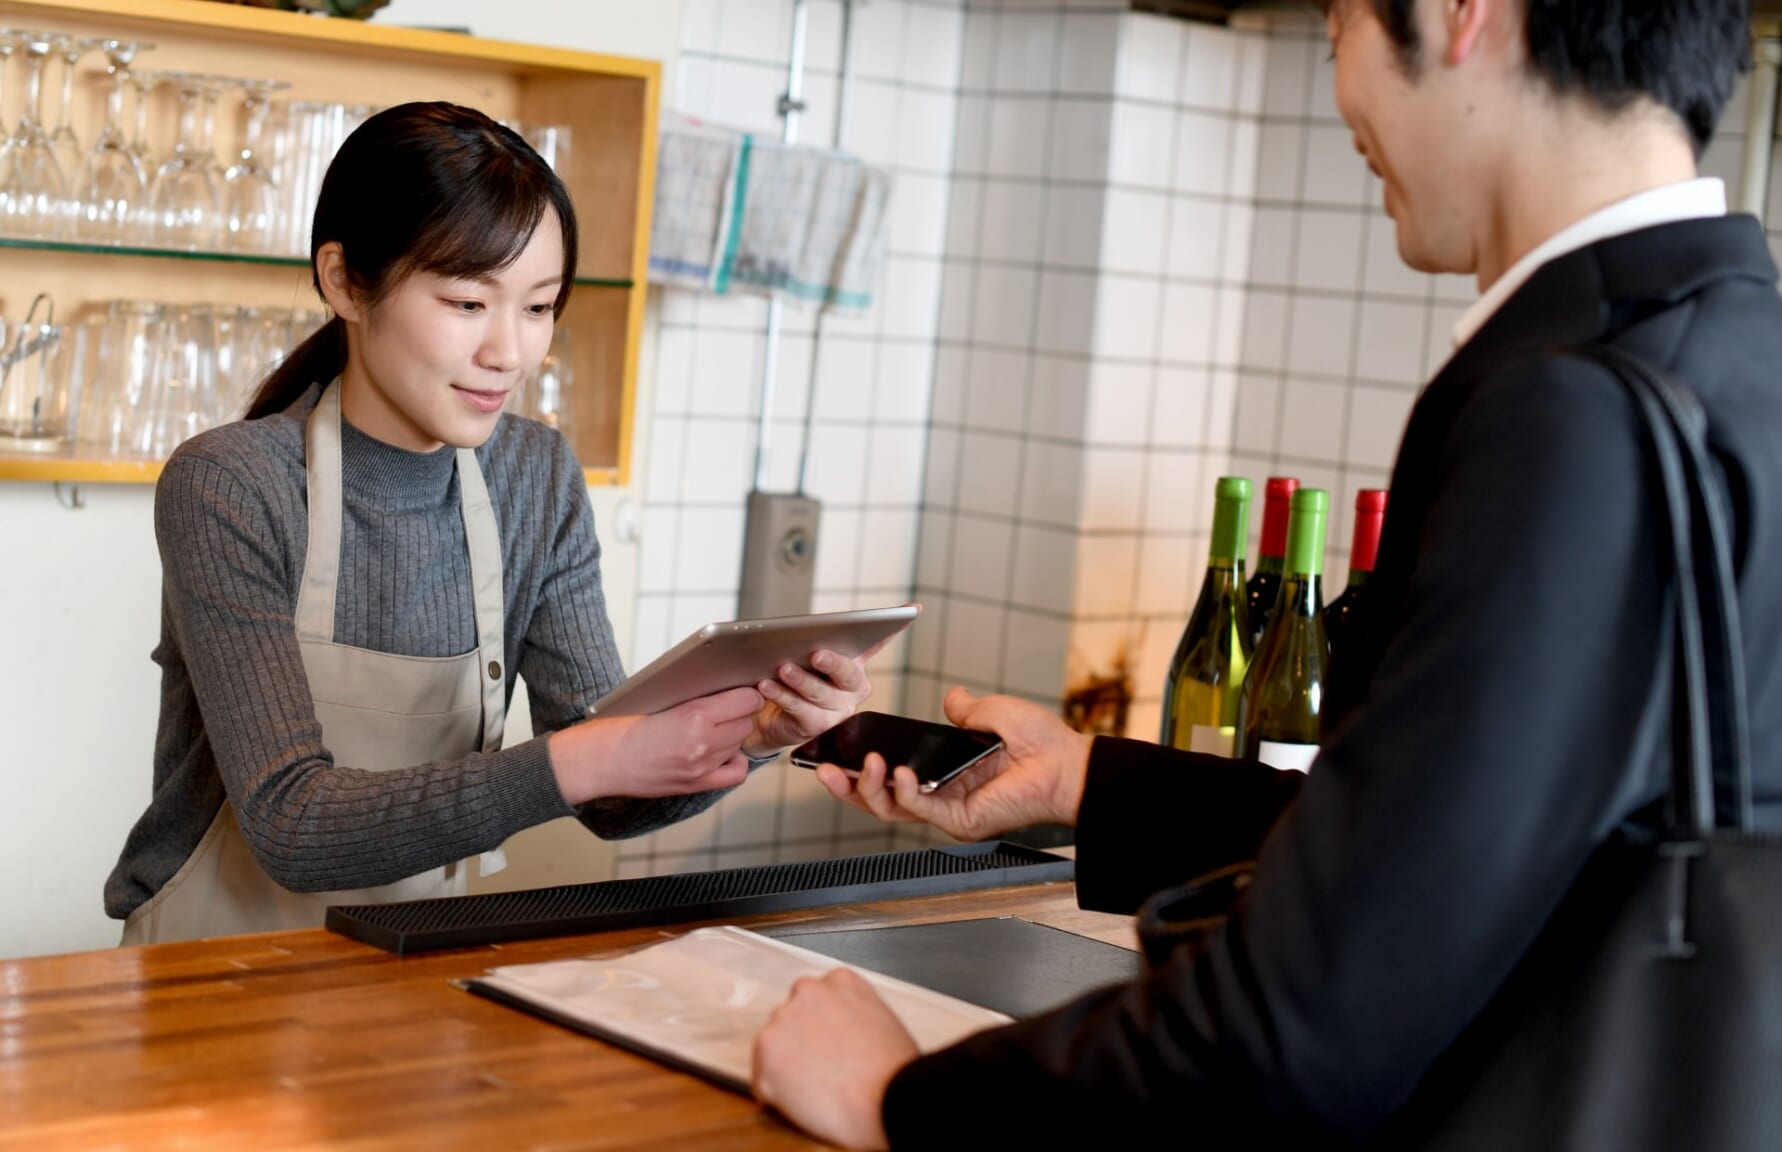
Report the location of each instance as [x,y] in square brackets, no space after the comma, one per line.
[609,103]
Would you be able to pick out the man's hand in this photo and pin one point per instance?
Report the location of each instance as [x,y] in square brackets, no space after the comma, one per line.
[826,1056]
[1037,778]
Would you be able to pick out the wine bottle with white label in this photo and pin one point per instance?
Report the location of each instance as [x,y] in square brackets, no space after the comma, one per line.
[1284,692]
[1200,697]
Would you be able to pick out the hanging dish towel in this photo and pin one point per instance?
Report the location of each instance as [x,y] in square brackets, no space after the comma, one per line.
[736,213]
[696,180]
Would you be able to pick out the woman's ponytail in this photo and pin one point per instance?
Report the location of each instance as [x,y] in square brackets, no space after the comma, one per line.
[317,360]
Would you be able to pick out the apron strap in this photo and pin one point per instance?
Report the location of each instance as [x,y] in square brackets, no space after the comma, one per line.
[321,567]
[483,537]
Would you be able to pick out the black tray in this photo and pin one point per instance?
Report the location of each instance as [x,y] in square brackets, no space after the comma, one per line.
[577,909]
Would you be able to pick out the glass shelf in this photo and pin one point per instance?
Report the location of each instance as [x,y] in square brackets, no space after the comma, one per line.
[217,257]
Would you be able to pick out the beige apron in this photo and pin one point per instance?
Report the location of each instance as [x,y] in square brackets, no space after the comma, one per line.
[378,711]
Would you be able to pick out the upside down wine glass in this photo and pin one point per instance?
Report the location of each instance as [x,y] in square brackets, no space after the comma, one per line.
[112,186]
[183,203]
[33,191]
[250,193]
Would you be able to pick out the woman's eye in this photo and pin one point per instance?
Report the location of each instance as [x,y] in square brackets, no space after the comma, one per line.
[468,305]
[539,310]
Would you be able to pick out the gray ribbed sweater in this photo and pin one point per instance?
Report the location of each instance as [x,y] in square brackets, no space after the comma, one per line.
[231,520]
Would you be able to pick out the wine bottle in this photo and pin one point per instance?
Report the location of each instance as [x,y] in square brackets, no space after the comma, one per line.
[1370,514]
[1284,692]
[1265,586]
[1201,695]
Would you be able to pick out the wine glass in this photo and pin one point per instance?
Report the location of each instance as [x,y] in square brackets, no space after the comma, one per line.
[33,191]
[184,203]
[63,139]
[9,43]
[250,193]
[112,186]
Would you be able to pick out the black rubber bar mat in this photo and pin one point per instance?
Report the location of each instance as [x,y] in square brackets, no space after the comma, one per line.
[577,909]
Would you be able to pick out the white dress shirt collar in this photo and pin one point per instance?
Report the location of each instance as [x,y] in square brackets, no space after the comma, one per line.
[1687,200]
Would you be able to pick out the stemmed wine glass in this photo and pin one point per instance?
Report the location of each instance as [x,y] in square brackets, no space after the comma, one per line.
[63,139]
[250,193]
[112,185]
[33,192]
[9,43]
[184,202]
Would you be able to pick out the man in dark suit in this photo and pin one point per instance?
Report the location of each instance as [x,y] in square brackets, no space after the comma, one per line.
[1506,705]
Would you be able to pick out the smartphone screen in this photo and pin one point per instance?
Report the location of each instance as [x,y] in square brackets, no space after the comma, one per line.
[935,752]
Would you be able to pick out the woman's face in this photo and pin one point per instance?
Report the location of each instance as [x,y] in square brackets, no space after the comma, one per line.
[433,362]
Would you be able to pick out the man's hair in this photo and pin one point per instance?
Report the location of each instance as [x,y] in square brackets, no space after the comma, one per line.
[1683,54]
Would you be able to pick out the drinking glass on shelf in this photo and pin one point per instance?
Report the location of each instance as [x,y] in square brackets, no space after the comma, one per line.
[548,392]
[250,193]
[183,203]
[33,414]
[70,50]
[110,192]
[125,380]
[33,191]
[315,131]
[551,142]
[184,401]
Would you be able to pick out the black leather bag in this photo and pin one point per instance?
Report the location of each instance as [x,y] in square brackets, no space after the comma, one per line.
[1648,1015]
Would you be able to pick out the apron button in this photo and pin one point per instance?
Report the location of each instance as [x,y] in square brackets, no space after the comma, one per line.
[494,669]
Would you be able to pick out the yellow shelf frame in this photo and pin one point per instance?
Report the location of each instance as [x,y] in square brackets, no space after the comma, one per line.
[271,26]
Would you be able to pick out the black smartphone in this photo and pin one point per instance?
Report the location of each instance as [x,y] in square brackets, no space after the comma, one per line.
[935,752]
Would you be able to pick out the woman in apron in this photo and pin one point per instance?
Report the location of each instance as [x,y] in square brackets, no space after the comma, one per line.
[354,575]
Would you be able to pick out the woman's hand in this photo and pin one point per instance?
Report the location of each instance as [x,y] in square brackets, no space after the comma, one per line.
[825,1057]
[693,747]
[1037,777]
[802,705]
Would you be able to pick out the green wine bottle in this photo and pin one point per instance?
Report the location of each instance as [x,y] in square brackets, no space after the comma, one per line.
[1200,698]
[1278,709]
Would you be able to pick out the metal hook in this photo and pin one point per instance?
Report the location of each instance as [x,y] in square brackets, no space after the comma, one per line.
[74,500]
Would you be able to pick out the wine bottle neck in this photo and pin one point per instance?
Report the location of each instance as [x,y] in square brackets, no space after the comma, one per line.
[1229,517]
[1302,594]
[1270,565]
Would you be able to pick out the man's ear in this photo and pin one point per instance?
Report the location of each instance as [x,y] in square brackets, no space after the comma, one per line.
[1464,24]
[337,286]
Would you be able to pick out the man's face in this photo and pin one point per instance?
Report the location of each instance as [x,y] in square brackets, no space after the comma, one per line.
[1412,129]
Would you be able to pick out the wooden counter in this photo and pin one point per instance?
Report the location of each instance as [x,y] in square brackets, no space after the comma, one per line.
[309,1040]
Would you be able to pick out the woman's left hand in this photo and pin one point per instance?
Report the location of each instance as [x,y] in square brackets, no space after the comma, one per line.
[802,705]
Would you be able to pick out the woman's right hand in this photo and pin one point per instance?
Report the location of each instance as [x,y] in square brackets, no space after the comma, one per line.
[1037,777]
[693,747]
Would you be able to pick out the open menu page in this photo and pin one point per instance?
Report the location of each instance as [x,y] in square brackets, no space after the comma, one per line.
[696,1001]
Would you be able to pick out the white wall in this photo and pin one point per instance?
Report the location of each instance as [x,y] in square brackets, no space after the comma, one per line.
[80,611]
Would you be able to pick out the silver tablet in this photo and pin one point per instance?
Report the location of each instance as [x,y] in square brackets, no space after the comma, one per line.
[743,652]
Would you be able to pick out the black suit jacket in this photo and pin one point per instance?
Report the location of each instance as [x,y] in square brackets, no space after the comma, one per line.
[1504,707]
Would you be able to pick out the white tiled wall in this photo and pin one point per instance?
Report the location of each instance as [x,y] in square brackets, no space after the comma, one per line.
[1086,378]
[868,401]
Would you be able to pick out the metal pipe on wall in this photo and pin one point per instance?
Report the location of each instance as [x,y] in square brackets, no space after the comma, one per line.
[780,537]
[791,109]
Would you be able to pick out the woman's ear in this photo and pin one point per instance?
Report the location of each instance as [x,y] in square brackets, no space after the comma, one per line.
[337,287]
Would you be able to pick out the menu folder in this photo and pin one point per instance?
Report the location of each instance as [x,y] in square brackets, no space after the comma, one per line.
[695,1002]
